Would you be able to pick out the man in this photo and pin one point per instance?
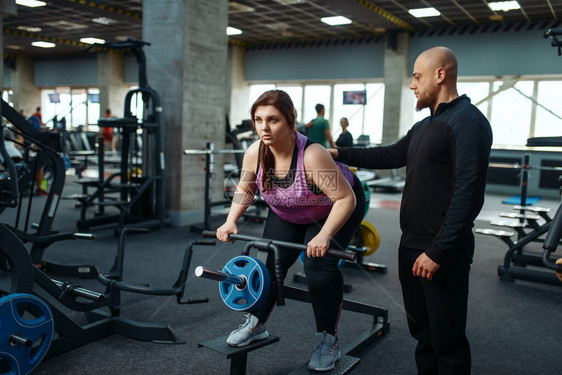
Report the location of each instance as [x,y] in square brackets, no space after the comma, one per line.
[446,155]
[36,119]
[107,133]
[319,129]
[37,122]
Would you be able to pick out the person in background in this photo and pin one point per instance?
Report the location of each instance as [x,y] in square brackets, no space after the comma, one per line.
[346,138]
[318,129]
[447,157]
[37,121]
[313,201]
[107,134]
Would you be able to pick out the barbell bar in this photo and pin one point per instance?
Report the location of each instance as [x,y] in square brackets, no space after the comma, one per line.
[350,256]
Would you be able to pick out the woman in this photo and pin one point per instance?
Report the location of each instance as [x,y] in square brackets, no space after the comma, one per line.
[312,201]
[345,139]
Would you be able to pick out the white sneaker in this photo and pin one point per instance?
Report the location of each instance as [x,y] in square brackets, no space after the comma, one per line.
[249,331]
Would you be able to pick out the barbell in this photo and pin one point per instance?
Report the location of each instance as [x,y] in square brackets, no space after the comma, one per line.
[244,282]
[26,332]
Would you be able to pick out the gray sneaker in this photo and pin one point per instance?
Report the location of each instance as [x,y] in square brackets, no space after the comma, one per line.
[326,354]
[249,331]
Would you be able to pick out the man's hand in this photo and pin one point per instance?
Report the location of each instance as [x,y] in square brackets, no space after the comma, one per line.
[309,124]
[334,153]
[425,267]
[559,274]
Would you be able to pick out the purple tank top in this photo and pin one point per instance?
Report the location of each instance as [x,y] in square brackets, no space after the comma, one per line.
[296,203]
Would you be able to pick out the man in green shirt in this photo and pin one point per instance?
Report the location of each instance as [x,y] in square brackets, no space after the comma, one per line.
[319,129]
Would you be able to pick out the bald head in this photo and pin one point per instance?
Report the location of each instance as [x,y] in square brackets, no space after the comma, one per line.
[440,57]
[435,77]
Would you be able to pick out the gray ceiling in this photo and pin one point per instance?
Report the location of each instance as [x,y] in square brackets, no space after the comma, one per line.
[262,21]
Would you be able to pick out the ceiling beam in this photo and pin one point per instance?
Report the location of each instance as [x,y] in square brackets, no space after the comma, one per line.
[383,13]
[100,9]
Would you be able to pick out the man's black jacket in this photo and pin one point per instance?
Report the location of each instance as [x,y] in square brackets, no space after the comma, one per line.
[446,155]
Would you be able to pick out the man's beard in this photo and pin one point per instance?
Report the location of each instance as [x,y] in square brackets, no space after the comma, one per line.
[426,100]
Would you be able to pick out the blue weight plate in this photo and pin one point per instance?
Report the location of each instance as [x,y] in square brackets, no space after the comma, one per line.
[36,325]
[256,289]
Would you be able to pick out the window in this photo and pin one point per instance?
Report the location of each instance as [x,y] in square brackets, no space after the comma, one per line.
[316,95]
[93,106]
[354,112]
[256,91]
[511,113]
[374,111]
[476,91]
[363,119]
[79,108]
[7,96]
[295,92]
[548,121]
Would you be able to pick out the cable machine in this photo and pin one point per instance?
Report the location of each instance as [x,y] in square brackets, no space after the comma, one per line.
[140,179]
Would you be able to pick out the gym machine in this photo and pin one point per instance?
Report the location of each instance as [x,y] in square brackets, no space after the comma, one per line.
[552,241]
[516,259]
[244,283]
[141,201]
[25,286]
[21,177]
[209,153]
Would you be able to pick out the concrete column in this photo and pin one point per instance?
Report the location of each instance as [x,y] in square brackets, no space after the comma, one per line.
[111,82]
[239,87]
[186,65]
[26,95]
[399,100]
[6,8]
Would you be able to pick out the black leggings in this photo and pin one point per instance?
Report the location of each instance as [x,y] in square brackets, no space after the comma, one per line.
[325,280]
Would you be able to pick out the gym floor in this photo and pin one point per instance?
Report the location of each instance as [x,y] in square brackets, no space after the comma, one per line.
[513,328]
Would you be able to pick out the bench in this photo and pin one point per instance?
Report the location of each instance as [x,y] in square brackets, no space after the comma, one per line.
[542,211]
[505,236]
[238,356]
[529,217]
[343,366]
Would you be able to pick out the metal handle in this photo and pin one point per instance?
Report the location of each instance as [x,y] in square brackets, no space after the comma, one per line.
[229,278]
[350,256]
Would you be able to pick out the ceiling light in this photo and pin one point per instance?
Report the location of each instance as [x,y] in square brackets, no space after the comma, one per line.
[43,44]
[65,25]
[29,29]
[104,20]
[424,12]
[289,2]
[336,20]
[92,40]
[277,26]
[234,8]
[31,3]
[233,31]
[504,5]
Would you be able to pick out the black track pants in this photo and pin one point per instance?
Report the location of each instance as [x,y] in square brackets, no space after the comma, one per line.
[436,312]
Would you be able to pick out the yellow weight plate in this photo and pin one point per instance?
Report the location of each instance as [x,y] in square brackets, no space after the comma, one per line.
[370,237]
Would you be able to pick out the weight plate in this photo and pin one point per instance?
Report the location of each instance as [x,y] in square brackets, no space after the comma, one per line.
[370,237]
[28,318]
[256,288]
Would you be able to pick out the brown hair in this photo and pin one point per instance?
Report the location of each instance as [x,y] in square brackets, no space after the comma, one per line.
[282,101]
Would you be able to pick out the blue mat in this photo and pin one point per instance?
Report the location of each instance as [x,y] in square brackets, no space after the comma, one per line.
[516,199]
